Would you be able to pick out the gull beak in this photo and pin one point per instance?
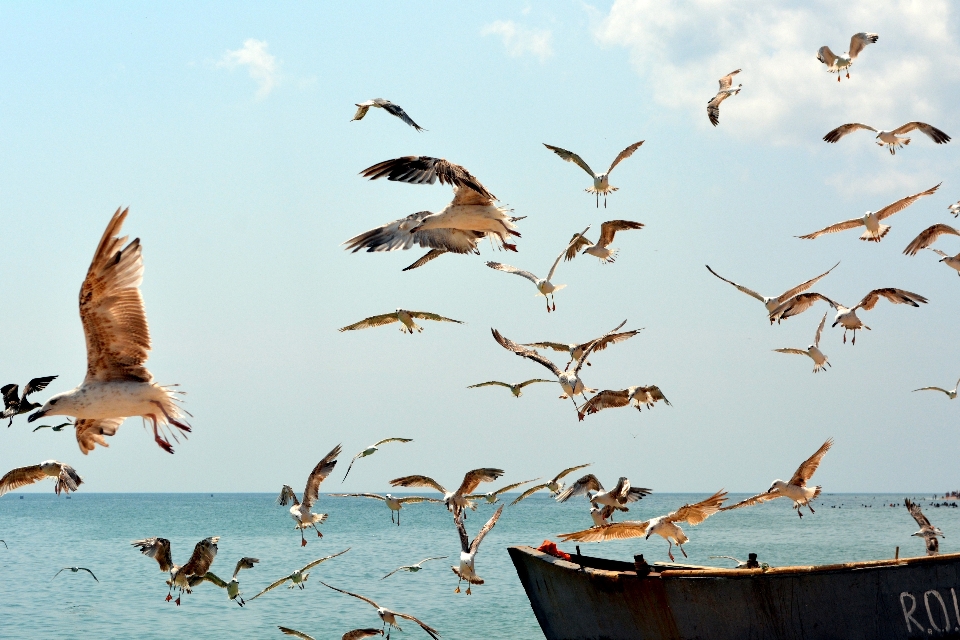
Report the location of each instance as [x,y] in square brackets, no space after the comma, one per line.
[35,415]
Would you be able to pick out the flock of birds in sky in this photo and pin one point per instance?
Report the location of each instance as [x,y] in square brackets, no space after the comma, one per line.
[118,385]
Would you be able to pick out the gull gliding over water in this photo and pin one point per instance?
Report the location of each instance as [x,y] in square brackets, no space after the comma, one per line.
[609,399]
[66,477]
[554,486]
[601,249]
[871,219]
[455,501]
[890,138]
[372,449]
[813,351]
[75,570]
[299,577]
[515,389]
[413,568]
[468,551]
[389,107]
[300,512]
[772,303]
[838,64]
[927,531]
[388,616]
[117,384]
[15,404]
[726,90]
[400,315]
[601,182]
[952,393]
[393,503]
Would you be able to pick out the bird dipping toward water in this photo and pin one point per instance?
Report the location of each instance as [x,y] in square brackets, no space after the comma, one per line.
[842,63]
[813,351]
[300,512]
[890,139]
[232,587]
[468,551]
[927,531]
[773,302]
[74,570]
[15,404]
[455,501]
[871,219]
[515,389]
[726,90]
[395,504]
[183,577]
[66,477]
[400,315]
[601,249]
[388,616]
[372,449]
[413,568]
[952,394]
[555,486]
[299,577]
[601,182]
[389,107]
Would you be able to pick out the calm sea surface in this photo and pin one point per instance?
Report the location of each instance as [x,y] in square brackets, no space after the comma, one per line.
[45,533]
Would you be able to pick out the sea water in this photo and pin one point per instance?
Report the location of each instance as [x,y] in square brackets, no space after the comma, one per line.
[45,532]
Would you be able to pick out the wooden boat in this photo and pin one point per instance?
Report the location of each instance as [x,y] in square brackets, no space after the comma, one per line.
[589,598]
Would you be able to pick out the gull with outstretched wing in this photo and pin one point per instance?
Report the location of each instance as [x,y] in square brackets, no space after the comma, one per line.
[842,63]
[413,568]
[554,486]
[395,504]
[494,496]
[372,449]
[609,399]
[928,236]
[726,90]
[388,616]
[389,107]
[871,219]
[927,531]
[601,182]
[952,393]
[468,551]
[184,577]
[622,494]
[601,249]
[75,570]
[455,501]
[813,351]
[233,586]
[515,389]
[66,477]
[576,350]
[15,404]
[299,577]
[301,511]
[402,316]
[773,302]
[890,139]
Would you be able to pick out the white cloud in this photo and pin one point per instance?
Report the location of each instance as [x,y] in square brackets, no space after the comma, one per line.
[261,65]
[681,49]
[519,40]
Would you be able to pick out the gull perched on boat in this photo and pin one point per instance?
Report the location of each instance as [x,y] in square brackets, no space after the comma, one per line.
[726,90]
[468,551]
[389,107]
[796,488]
[515,389]
[117,384]
[183,577]
[494,496]
[601,249]
[751,563]
[928,236]
[871,219]
[608,399]
[666,527]
[576,350]
[617,497]
[413,568]
[300,512]
[232,587]
[773,302]
[545,286]
[890,139]
[555,486]
[455,501]
[356,634]
[813,351]
[846,317]
[601,182]
[372,449]
[394,503]
[299,577]
[74,570]
[66,477]
[952,394]
[388,616]
[400,315]
[927,531]
[15,404]
[838,64]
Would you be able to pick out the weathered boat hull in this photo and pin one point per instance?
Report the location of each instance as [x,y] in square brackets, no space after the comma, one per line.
[606,600]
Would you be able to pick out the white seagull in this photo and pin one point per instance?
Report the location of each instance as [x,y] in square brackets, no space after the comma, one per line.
[617,497]
[299,577]
[117,384]
[66,477]
[576,350]
[837,64]
[183,577]
[75,570]
[796,489]
[890,138]
[927,531]
[871,219]
[601,183]
[372,449]
[813,351]
[951,261]
[413,568]
[300,512]
[555,486]
[601,249]
[726,90]
[544,286]
[515,389]
[954,209]
[400,315]
[952,394]
[389,107]
[395,504]
[773,302]
[846,317]
[494,496]
[232,587]
[455,501]
[637,396]
[388,616]
[468,551]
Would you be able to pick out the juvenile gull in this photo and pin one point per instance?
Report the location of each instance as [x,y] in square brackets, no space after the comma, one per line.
[66,477]
[388,616]
[515,389]
[185,577]
[871,219]
[494,496]
[601,182]
[300,512]
[813,351]
[393,503]
[389,107]
[838,64]
[601,249]
[555,486]
[400,315]
[372,449]
[299,577]
[575,351]
[617,497]
[890,139]
[637,396]
[772,303]
[796,489]
[468,551]
[15,404]
[232,587]
[927,531]
[928,236]
[726,90]
[413,568]
[455,501]
[75,570]
[117,384]
[952,394]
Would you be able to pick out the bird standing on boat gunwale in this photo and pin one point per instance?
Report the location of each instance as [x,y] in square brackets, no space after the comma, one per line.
[299,577]
[555,486]
[927,531]
[871,219]
[372,449]
[300,512]
[389,107]
[66,477]
[726,90]
[601,183]
[772,303]
[813,351]
[388,616]
[400,315]
[601,248]
[455,501]
[15,404]
[468,551]
[890,139]
[838,64]
[395,504]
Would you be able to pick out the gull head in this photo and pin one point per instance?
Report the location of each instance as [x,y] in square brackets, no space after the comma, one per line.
[777,484]
[62,404]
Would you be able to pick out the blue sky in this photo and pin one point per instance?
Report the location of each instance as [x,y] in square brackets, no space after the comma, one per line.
[226,131]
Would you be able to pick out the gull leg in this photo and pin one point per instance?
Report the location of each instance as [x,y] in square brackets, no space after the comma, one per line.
[398,518]
[811,508]
[854,340]
[468,589]
[457,590]
[848,76]
[682,551]
[319,535]
[303,541]
[670,551]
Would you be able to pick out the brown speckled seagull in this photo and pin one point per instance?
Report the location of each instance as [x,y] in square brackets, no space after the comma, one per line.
[455,501]
[66,477]
[300,511]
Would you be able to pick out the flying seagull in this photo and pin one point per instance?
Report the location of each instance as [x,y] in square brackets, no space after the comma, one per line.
[871,219]
[772,303]
[951,261]
[928,236]
[601,249]
[954,209]
[494,496]
[838,64]
[66,477]
[15,404]
[300,512]
[927,531]
[846,317]
[544,286]
[576,350]
[183,577]
[623,493]
[796,489]
[601,183]
[388,616]
[56,427]
[890,138]
[413,568]
[813,351]
[468,551]
[637,396]
[400,315]
[117,385]
[726,90]
[356,634]
[395,504]
[952,394]
[389,107]
[455,501]
[233,587]
[299,577]
[555,486]
[515,389]
[372,449]
[666,527]
[74,570]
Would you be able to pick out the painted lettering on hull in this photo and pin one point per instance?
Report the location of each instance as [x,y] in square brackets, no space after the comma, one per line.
[937,616]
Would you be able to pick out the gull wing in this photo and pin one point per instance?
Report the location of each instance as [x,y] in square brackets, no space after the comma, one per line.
[587,483]
[91,432]
[491,383]
[372,321]
[209,576]
[68,480]
[472,479]
[362,109]
[697,513]
[844,129]
[623,155]
[202,557]
[939,253]
[359,634]
[654,393]
[462,531]
[713,107]
[111,309]
[359,597]
[311,565]
[606,399]
[609,229]
[757,499]
[556,346]
[727,81]
[21,477]
[933,389]
[396,236]
[426,315]
[318,475]
[158,549]
[903,203]
[245,563]
[286,496]
[427,257]
[393,572]
[859,41]
[834,228]
[271,587]
[749,292]
[917,514]
[417,481]
[416,499]
[397,110]
[613,338]
[615,531]
[529,382]
[485,530]
[569,470]
[523,352]
[570,156]
[823,320]
[426,170]
[37,384]
[799,352]
[798,304]
[528,492]
[386,440]
[590,348]
[800,288]
[499,266]
[826,56]
[357,495]
[511,487]
[928,236]
[932,132]
[577,242]
[433,633]
[806,470]
[11,397]
[565,251]
[896,296]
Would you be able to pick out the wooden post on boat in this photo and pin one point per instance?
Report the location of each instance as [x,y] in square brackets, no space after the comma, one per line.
[897,554]
[641,566]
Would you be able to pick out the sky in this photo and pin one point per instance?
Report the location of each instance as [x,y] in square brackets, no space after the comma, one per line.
[226,130]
